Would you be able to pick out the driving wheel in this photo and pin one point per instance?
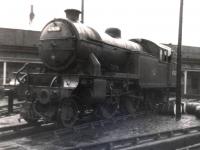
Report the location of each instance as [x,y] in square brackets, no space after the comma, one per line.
[68,114]
[108,109]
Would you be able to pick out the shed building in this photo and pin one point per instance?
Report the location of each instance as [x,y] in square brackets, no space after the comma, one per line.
[190,70]
[17,47]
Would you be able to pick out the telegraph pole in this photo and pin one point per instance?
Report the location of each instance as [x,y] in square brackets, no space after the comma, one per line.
[82,11]
[178,77]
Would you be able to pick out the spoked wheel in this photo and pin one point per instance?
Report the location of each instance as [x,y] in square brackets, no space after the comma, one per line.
[68,114]
[108,109]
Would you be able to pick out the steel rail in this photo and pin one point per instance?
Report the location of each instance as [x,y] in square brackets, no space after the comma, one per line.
[191,147]
[163,140]
[18,131]
[4,113]
[143,141]
[24,130]
[6,106]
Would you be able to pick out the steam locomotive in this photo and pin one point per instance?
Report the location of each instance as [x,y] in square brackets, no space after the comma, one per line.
[87,72]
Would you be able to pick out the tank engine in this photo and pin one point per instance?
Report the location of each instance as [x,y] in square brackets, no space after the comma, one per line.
[87,71]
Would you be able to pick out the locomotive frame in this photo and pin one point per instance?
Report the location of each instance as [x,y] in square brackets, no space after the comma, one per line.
[86,72]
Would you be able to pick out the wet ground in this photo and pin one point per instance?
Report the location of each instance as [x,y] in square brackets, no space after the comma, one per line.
[143,124]
[11,120]
[146,124]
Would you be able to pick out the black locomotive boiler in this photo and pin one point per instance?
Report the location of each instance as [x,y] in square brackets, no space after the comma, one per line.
[86,72]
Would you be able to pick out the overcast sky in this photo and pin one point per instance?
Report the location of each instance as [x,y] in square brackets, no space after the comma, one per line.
[155,20]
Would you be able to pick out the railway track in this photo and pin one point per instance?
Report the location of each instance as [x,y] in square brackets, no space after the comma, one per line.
[191,147]
[4,110]
[4,113]
[6,106]
[172,139]
[167,140]
[23,130]
[96,124]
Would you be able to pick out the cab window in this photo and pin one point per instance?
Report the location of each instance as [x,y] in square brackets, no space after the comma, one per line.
[164,56]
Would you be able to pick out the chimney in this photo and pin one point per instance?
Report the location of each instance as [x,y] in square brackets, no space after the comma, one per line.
[114,32]
[72,14]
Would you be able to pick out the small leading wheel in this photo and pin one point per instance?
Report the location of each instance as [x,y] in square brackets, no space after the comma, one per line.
[108,109]
[68,114]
